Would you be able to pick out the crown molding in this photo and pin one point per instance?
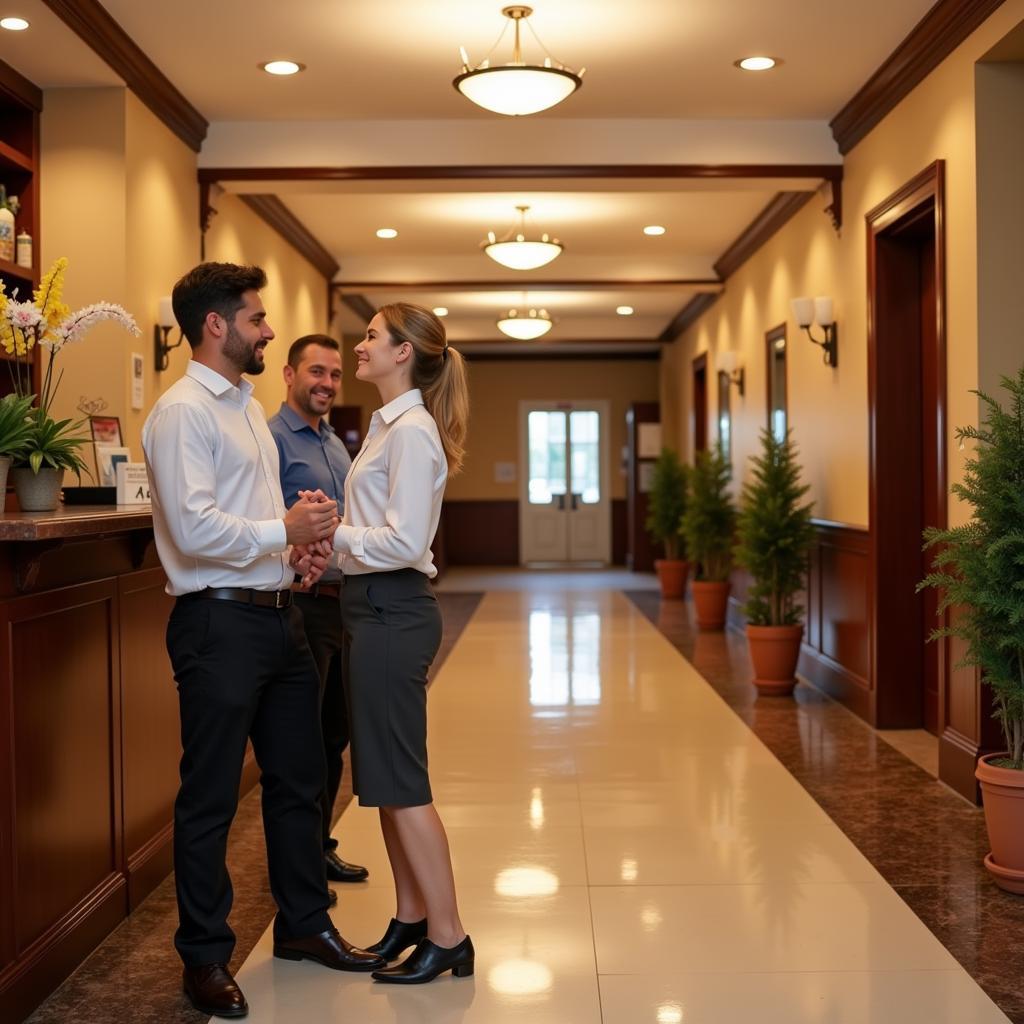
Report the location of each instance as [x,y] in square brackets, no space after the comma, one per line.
[293,231]
[933,39]
[18,86]
[516,284]
[89,20]
[688,315]
[359,304]
[783,207]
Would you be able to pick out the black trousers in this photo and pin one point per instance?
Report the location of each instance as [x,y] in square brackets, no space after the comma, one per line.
[245,672]
[322,618]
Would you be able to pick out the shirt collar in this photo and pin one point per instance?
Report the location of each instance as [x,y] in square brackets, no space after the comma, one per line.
[215,383]
[403,403]
[296,423]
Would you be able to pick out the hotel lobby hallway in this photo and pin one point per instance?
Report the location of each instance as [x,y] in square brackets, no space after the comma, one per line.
[627,850]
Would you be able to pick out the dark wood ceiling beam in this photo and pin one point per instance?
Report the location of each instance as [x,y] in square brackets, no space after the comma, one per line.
[498,171]
[933,39]
[778,212]
[360,305]
[293,231]
[89,20]
[533,351]
[519,284]
[689,314]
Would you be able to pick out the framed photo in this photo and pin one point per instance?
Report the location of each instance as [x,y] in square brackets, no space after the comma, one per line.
[108,458]
[106,430]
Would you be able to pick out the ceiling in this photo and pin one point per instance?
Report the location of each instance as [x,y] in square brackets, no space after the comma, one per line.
[660,88]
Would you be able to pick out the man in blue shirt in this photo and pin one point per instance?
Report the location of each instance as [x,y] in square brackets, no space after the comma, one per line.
[312,458]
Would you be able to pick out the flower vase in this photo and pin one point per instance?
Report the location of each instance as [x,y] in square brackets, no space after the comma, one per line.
[38,492]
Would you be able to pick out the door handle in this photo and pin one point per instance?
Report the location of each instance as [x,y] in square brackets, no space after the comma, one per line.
[561,503]
[575,502]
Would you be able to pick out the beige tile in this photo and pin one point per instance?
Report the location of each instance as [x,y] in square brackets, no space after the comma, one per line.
[881,997]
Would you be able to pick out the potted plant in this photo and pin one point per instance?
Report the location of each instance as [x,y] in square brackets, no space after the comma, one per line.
[708,524]
[667,502]
[978,569]
[52,446]
[14,434]
[774,536]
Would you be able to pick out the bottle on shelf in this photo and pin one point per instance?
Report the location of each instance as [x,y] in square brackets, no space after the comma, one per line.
[6,228]
[24,249]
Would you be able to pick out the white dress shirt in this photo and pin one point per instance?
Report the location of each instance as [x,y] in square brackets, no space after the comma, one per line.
[218,511]
[393,492]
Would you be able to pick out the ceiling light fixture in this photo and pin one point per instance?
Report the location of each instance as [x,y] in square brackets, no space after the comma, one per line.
[387,233]
[14,24]
[517,88]
[756,63]
[654,229]
[283,67]
[525,324]
[440,311]
[515,251]
[624,310]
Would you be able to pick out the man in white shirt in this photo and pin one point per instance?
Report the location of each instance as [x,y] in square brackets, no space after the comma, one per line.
[240,657]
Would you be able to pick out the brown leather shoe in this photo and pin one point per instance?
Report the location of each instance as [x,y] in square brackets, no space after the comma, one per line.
[331,950]
[212,990]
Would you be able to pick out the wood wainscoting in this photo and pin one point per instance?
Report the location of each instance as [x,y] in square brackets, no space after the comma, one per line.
[486,531]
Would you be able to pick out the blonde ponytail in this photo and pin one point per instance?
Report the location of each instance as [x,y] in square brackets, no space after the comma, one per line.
[439,371]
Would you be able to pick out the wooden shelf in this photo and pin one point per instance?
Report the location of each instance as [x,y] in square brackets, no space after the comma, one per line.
[13,157]
[26,274]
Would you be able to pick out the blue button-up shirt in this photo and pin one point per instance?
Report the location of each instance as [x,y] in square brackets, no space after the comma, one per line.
[310,460]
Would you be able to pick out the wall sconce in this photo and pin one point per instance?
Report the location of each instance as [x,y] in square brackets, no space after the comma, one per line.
[165,323]
[819,311]
[727,364]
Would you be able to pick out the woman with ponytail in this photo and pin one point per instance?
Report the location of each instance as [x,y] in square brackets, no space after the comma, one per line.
[393,624]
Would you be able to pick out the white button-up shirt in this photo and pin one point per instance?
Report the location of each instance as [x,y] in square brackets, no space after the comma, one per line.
[218,511]
[393,492]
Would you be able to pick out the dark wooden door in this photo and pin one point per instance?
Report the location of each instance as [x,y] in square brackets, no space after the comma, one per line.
[700,403]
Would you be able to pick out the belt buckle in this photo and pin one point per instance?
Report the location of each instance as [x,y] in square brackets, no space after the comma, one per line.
[279,598]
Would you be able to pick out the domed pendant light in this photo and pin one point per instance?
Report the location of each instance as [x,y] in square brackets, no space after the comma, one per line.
[517,252]
[517,88]
[525,324]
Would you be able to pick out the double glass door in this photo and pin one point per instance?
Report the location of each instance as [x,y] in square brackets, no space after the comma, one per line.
[565,511]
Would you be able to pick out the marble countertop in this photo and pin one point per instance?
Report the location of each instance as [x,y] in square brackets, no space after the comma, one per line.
[74,521]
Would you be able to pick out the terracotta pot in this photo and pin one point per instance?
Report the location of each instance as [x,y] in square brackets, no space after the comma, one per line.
[672,575]
[37,492]
[710,600]
[774,650]
[1003,795]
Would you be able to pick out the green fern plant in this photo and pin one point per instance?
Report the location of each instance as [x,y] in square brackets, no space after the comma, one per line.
[774,534]
[53,443]
[978,567]
[667,503]
[15,428]
[709,521]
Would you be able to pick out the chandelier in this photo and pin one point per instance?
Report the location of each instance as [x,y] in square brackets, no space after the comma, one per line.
[515,251]
[525,324]
[517,88]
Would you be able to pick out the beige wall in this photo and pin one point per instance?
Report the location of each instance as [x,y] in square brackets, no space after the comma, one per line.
[296,294]
[828,408]
[496,389]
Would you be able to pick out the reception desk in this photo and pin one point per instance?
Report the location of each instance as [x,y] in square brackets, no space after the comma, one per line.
[88,738]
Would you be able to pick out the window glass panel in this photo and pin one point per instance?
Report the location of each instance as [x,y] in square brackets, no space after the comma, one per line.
[585,438]
[547,456]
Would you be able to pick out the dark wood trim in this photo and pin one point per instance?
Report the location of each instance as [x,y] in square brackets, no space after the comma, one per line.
[89,20]
[483,531]
[933,39]
[359,304]
[18,86]
[770,338]
[689,314]
[778,212]
[711,284]
[566,357]
[273,211]
[828,172]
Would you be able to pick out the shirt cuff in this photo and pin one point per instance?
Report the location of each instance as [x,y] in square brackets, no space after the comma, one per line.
[271,536]
[348,540]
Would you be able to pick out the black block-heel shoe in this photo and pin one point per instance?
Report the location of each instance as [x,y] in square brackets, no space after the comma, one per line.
[400,935]
[427,961]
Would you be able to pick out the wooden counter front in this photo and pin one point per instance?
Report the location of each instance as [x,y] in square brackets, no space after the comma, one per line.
[88,738]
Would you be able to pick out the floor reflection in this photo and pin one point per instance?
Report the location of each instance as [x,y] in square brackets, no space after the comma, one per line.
[565,659]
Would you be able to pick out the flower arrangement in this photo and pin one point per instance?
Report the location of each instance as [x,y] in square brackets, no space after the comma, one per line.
[47,322]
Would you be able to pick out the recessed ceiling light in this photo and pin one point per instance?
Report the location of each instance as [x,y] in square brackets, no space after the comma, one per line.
[440,311]
[14,24]
[624,310]
[654,229]
[757,63]
[387,233]
[282,67]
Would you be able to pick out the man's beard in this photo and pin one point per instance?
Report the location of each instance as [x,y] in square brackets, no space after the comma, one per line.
[305,400]
[241,354]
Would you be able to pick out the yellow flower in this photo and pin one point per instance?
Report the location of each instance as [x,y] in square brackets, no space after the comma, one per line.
[50,292]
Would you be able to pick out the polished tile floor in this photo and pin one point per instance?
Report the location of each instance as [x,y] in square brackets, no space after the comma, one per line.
[627,851]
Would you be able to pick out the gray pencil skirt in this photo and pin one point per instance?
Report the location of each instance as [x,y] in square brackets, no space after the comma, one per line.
[392,633]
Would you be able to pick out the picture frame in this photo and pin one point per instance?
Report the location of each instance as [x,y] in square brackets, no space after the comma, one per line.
[108,458]
[106,431]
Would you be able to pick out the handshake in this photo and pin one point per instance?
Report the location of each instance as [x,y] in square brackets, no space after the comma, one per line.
[309,527]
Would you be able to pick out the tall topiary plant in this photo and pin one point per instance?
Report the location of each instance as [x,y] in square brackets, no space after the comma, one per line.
[978,567]
[667,502]
[774,534]
[710,517]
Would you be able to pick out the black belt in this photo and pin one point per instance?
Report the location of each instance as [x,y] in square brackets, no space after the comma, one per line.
[331,590]
[261,598]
